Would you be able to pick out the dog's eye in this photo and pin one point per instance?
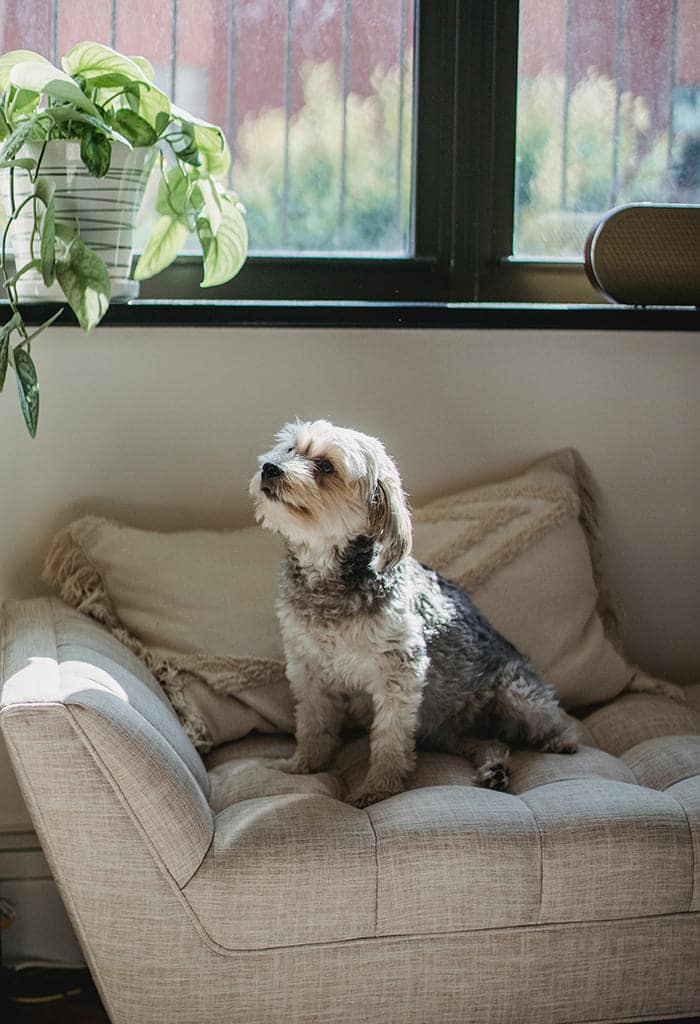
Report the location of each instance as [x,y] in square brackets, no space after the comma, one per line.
[324,466]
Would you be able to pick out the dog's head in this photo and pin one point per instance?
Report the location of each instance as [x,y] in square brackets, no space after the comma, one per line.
[322,485]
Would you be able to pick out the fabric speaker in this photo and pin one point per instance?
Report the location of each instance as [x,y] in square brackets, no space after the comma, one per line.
[646,255]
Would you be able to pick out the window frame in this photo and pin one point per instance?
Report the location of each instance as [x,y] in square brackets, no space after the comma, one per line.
[465,87]
[465,95]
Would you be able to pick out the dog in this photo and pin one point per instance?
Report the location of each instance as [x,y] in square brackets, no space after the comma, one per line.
[371,635]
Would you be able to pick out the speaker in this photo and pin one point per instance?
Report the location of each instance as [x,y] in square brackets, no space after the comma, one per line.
[645,254]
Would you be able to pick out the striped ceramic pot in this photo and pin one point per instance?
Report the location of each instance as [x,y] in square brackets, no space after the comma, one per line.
[103,209]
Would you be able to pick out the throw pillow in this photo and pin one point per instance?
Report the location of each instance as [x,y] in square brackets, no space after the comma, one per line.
[198,606]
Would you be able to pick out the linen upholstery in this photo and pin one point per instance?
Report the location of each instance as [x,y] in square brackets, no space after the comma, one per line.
[130,745]
[633,718]
[572,898]
[39,629]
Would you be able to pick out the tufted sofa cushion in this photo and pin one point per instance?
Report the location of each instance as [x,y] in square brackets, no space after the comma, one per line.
[611,832]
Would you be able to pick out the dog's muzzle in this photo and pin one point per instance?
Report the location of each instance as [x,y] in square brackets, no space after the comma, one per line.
[270,477]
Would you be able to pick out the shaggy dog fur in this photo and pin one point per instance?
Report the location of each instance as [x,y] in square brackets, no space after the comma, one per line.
[371,634]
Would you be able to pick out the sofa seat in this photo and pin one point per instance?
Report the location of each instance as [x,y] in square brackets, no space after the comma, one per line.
[232,893]
[611,832]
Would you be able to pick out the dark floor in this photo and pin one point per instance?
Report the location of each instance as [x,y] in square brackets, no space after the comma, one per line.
[40,996]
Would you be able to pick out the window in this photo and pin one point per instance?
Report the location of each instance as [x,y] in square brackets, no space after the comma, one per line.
[608,113]
[398,150]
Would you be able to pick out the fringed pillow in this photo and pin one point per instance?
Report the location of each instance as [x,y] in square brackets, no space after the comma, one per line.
[199,606]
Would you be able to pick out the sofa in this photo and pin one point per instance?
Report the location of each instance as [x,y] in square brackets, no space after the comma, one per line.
[206,886]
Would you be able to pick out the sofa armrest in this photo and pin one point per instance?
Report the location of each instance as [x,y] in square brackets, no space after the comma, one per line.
[56,663]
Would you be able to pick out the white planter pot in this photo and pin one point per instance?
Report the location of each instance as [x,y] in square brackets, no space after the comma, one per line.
[103,209]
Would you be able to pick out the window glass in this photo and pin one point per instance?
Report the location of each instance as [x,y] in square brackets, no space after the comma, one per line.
[608,113]
[315,97]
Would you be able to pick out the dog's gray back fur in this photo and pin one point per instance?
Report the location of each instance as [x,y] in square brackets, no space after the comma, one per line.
[471,665]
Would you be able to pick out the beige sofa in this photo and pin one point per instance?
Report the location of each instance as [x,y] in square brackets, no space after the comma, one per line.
[220,890]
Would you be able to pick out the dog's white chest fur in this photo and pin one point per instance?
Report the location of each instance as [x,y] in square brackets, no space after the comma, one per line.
[350,654]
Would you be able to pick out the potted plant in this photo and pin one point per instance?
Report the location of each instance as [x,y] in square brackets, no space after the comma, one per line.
[77,148]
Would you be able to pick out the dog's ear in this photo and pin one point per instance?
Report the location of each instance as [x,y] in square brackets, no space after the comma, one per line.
[390,519]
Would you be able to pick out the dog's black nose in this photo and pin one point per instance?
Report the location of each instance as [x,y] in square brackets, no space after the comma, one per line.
[270,471]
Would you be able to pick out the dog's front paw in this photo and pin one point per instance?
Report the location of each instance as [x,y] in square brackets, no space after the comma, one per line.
[372,790]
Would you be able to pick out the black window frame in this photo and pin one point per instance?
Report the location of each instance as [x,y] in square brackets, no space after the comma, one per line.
[465,85]
[463,272]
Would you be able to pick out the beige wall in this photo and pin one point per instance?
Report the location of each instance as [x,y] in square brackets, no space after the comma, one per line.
[161,428]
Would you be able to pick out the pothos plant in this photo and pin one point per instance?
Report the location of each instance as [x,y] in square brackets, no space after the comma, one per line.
[99,98]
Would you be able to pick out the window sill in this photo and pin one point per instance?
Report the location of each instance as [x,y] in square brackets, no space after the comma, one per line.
[424,315]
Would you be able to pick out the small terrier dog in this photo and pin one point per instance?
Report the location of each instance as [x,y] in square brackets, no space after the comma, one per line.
[371,635]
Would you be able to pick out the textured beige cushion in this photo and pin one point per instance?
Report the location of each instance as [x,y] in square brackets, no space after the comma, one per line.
[199,606]
[589,837]
[192,591]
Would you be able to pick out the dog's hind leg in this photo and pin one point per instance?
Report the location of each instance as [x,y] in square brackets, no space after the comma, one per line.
[490,759]
[528,713]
